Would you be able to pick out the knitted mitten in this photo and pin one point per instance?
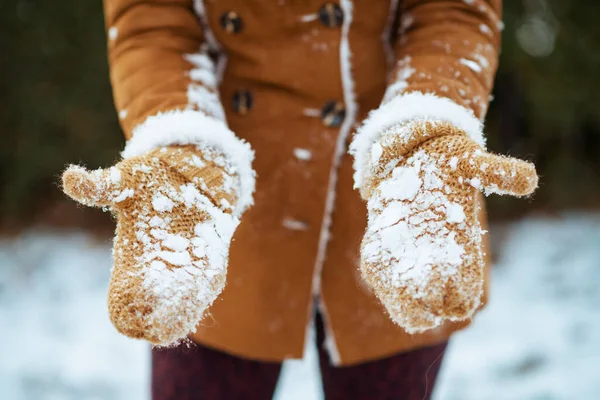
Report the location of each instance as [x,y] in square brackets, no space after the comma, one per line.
[176,213]
[422,252]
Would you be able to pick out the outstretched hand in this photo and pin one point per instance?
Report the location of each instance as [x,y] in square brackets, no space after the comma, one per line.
[422,252]
[174,210]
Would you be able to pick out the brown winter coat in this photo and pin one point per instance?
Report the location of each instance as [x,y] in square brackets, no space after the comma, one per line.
[294,79]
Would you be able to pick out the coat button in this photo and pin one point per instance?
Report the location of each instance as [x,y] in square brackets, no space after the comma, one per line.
[331,15]
[231,22]
[242,102]
[333,114]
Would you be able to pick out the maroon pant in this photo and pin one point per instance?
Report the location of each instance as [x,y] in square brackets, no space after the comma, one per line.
[200,373]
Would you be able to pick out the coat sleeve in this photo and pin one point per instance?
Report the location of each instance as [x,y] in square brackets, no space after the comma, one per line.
[446,56]
[164,82]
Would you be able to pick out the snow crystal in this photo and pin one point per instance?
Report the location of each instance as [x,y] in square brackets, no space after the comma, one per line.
[455,213]
[406,21]
[482,60]
[162,203]
[485,29]
[180,258]
[475,182]
[471,64]
[197,162]
[143,168]
[213,239]
[113,32]
[312,112]
[156,221]
[302,154]
[190,194]
[404,185]
[453,163]
[294,224]
[176,242]
[123,195]
[309,17]
[114,175]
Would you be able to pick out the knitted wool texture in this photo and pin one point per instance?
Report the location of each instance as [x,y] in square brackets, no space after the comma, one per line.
[173,207]
[422,251]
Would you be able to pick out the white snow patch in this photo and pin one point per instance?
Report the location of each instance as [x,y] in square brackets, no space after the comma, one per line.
[162,203]
[538,336]
[475,182]
[455,213]
[176,242]
[404,184]
[181,258]
[61,344]
[535,339]
[406,235]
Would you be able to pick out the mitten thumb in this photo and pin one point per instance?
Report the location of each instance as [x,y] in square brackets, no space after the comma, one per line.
[499,174]
[98,188]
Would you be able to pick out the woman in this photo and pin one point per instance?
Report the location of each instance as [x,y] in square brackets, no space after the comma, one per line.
[291,82]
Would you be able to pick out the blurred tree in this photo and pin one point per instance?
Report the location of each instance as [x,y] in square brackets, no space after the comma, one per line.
[57,106]
[55,96]
[547,105]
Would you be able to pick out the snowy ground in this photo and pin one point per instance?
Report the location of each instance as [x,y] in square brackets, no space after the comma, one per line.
[538,339]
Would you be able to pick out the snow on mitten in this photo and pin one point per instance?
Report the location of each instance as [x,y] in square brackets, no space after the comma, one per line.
[176,209]
[422,251]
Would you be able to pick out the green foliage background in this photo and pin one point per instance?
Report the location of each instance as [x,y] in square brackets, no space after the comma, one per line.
[56,104]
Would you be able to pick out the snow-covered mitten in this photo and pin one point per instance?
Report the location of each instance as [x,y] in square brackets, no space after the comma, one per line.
[422,251]
[176,208]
